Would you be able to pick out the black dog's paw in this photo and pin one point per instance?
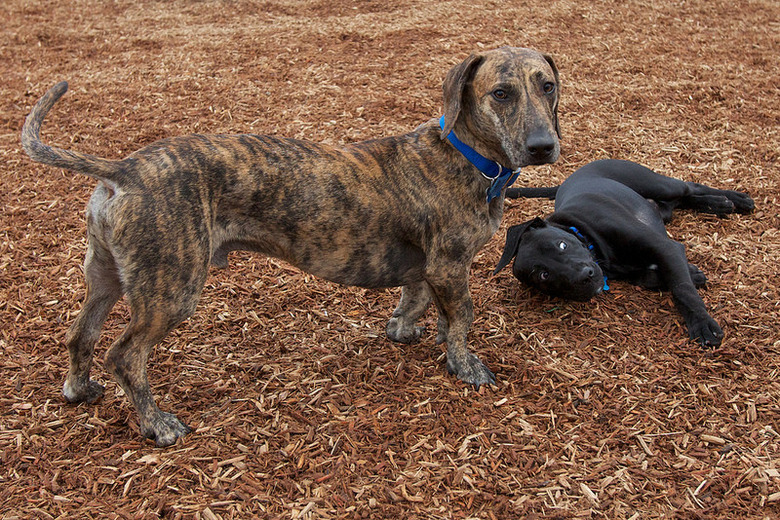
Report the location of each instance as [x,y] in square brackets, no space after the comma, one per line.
[698,278]
[743,203]
[719,205]
[723,203]
[471,370]
[706,331]
[720,202]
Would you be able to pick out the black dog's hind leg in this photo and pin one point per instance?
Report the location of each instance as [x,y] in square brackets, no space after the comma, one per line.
[711,200]
[668,192]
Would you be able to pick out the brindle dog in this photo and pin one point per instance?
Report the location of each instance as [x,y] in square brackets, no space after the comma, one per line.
[406,211]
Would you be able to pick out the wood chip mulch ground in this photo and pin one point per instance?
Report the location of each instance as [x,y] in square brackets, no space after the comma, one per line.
[301,407]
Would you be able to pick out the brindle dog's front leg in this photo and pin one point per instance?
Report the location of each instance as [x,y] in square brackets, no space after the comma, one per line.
[451,290]
[414,300]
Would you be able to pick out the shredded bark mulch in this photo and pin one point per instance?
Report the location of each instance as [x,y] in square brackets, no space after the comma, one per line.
[301,408]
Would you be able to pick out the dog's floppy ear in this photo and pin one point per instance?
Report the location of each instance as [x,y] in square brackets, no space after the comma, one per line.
[550,61]
[514,236]
[454,86]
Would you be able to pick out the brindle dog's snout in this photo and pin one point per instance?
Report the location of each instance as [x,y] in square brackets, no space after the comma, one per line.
[541,146]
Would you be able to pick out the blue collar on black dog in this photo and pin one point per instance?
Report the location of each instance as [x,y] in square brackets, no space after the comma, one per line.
[590,247]
[500,176]
[582,238]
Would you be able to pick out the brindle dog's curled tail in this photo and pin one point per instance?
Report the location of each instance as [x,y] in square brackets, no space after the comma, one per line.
[103,169]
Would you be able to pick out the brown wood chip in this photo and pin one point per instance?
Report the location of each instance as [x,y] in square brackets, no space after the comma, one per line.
[300,407]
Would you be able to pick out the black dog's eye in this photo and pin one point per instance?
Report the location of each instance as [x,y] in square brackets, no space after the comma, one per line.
[548,87]
[500,94]
[544,276]
[562,245]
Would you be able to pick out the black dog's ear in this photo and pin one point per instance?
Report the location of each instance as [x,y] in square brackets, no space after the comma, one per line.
[513,237]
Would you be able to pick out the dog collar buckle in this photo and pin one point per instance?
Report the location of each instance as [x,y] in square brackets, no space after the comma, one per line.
[501,182]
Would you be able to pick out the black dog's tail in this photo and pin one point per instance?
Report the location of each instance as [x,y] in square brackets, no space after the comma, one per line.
[103,169]
[532,193]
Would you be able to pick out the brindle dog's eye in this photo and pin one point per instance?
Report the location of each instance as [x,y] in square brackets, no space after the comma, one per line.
[562,245]
[544,276]
[549,87]
[500,94]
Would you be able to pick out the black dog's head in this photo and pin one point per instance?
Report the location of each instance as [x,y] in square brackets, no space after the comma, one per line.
[552,260]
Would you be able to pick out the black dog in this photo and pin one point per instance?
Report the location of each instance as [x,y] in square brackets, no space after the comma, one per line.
[609,223]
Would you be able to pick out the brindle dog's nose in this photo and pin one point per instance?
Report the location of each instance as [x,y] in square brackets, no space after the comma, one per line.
[540,145]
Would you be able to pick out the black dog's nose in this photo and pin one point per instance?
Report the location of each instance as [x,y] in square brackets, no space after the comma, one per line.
[540,145]
[586,274]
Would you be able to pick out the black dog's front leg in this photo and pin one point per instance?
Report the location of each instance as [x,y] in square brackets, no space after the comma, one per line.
[675,268]
[701,326]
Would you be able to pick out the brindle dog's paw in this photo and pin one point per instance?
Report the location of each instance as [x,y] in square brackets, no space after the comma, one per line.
[471,371]
[706,331]
[400,332]
[165,429]
[87,393]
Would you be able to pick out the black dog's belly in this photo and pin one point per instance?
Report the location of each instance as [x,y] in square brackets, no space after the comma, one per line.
[643,274]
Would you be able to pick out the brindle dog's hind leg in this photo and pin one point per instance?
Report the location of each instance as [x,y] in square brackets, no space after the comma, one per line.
[127,361]
[103,291]
[162,289]
[152,319]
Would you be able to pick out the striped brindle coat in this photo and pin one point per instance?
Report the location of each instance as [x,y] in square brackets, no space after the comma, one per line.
[404,211]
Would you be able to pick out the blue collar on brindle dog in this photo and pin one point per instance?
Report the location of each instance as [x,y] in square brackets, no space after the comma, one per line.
[500,176]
